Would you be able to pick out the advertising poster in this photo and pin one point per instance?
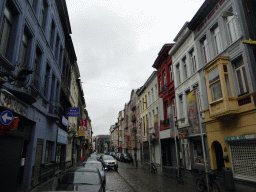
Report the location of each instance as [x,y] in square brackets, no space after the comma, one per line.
[82,131]
[88,132]
[193,113]
[156,127]
[170,118]
[83,122]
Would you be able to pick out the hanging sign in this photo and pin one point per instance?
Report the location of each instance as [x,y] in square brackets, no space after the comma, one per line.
[82,131]
[73,112]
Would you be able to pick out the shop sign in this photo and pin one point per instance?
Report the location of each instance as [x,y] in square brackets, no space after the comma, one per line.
[73,112]
[183,134]
[62,136]
[82,131]
[84,122]
[64,121]
[9,101]
[240,137]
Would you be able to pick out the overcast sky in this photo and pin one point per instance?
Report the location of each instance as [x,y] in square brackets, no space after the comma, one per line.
[116,44]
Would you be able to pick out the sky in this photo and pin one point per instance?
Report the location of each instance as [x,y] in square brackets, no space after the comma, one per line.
[116,43]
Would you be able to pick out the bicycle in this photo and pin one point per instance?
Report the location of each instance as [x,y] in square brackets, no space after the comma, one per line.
[201,183]
[153,168]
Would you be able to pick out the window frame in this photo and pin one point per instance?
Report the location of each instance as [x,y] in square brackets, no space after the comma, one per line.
[217,38]
[232,20]
[184,61]
[193,60]
[214,82]
[205,49]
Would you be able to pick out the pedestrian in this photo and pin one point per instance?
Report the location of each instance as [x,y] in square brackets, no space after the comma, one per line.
[135,159]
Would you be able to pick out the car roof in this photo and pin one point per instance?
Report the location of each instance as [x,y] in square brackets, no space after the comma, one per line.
[92,162]
[83,169]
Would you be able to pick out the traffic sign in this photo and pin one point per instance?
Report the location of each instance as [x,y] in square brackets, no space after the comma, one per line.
[6,117]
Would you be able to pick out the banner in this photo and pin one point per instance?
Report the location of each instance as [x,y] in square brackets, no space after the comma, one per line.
[156,127]
[170,117]
[83,122]
[82,131]
[88,132]
[193,112]
[139,130]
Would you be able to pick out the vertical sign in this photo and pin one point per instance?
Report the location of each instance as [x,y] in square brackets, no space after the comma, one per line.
[139,130]
[83,122]
[193,113]
[170,117]
[156,127]
[82,131]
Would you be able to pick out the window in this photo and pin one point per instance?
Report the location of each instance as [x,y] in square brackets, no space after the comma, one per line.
[149,98]
[6,31]
[217,38]
[143,103]
[241,76]
[150,120]
[198,151]
[156,93]
[144,127]
[37,77]
[153,97]
[57,48]
[232,27]
[24,50]
[171,75]
[193,61]
[174,108]
[160,82]
[146,101]
[205,49]
[178,74]
[46,81]
[52,34]
[215,85]
[48,152]
[164,78]
[184,60]
[181,107]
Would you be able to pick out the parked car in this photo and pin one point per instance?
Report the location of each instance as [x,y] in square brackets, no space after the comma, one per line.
[118,156]
[126,157]
[109,162]
[96,164]
[92,159]
[81,179]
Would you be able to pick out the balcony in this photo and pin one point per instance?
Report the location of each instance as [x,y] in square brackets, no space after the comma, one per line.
[133,106]
[164,88]
[133,118]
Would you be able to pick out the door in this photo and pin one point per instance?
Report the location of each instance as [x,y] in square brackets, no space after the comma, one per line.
[38,160]
[10,152]
[219,155]
[186,155]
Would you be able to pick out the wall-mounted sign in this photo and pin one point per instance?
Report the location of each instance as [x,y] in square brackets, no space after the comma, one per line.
[82,131]
[62,136]
[73,112]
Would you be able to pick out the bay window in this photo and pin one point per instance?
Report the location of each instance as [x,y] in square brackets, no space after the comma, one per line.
[215,85]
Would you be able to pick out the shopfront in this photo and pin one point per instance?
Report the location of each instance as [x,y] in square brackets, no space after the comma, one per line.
[60,157]
[14,139]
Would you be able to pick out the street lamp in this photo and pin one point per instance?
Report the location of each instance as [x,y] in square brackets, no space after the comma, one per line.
[227,14]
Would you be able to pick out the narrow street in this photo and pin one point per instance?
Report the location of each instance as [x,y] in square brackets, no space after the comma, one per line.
[129,179]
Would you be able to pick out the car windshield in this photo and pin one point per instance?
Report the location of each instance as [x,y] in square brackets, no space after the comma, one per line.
[108,158]
[90,178]
[93,165]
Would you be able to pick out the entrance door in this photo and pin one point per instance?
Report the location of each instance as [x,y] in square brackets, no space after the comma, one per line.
[10,158]
[186,155]
[38,160]
[219,155]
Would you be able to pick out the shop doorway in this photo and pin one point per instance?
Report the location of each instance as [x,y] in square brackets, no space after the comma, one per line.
[219,155]
[38,160]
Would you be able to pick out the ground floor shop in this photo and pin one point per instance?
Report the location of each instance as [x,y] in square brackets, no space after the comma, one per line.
[232,144]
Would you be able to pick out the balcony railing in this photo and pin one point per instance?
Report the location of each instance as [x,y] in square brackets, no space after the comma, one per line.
[133,118]
[133,106]
[164,88]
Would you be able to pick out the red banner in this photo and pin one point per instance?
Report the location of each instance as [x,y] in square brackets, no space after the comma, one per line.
[83,122]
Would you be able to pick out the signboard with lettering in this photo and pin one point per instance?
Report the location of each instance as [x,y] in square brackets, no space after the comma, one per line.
[9,101]
[62,136]
[73,112]
[82,131]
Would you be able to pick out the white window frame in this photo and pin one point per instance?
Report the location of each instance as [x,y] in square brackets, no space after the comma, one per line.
[178,74]
[244,77]
[217,39]
[193,60]
[152,94]
[216,81]
[181,113]
[232,26]
[205,49]
[184,61]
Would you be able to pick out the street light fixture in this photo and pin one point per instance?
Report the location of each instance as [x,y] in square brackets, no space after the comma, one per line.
[227,14]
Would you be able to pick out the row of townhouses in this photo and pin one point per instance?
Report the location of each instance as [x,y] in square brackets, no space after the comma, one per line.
[197,110]
[42,102]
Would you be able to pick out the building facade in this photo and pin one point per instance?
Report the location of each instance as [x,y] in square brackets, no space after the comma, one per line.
[222,34]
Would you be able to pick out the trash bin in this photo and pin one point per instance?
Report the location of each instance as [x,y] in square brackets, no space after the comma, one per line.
[228,179]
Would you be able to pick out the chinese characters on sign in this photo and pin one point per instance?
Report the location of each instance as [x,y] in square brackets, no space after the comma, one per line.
[73,112]
[82,131]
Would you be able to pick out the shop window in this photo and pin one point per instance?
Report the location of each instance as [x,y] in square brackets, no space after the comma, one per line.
[48,151]
[241,76]
[215,85]
[198,151]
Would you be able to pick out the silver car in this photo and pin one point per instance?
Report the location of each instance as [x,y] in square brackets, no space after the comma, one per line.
[109,162]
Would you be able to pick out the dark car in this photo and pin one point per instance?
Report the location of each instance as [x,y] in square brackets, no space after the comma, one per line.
[109,162]
[96,164]
[118,156]
[81,179]
[126,157]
